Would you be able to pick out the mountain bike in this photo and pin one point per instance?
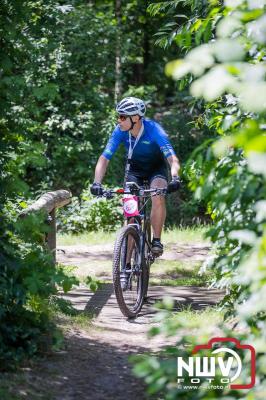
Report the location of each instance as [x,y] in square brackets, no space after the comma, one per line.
[133,256]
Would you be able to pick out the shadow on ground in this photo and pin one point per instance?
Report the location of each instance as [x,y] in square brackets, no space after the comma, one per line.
[85,370]
[103,301]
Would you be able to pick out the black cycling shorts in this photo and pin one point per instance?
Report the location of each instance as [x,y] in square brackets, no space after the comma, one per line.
[160,172]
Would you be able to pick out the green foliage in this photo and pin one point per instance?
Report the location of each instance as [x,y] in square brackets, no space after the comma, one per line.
[57,91]
[188,22]
[182,123]
[228,174]
[61,97]
[64,306]
[27,276]
[144,92]
[92,284]
[27,279]
[62,94]
[56,113]
[90,214]
[160,370]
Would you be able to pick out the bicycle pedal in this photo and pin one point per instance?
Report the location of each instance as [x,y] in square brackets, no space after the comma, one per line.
[151,258]
[124,278]
[157,253]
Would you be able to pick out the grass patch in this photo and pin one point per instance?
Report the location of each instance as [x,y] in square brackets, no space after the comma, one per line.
[177,273]
[82,320]
[163,272]
[89,238]
[185,234]
[177,282]
[66,316]
[197,318]
[187,321]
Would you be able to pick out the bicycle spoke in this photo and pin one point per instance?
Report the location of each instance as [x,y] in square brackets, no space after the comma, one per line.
[127,272]
[129,258]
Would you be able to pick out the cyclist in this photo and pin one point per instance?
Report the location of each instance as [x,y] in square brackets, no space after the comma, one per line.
[148,147]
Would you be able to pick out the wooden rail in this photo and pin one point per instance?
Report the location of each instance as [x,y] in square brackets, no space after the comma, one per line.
[48,203]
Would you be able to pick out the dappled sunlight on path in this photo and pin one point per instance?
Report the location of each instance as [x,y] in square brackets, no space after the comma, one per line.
[94,364]
[97,259]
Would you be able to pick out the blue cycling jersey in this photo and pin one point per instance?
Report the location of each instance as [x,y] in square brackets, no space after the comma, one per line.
[150,151]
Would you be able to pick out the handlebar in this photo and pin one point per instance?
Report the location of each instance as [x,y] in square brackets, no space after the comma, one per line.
[134,189]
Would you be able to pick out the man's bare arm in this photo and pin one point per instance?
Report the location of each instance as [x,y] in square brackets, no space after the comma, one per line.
[174,164]
[100,169]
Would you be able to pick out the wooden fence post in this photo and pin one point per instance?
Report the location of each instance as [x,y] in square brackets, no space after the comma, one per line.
[49,202]
[51,235]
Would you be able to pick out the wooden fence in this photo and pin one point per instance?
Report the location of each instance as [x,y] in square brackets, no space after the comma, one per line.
[48,203]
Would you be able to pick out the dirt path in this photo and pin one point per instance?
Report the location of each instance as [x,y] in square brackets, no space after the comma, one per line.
[94,364]
[97,259]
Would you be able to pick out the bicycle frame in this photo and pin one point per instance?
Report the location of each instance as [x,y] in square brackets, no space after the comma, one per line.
[140,220]
[131,284]
[142,193]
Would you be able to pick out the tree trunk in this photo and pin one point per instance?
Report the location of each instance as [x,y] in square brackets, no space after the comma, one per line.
[118,80]
[146,47]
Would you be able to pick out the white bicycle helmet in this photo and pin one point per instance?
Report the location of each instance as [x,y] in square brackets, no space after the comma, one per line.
[131,106]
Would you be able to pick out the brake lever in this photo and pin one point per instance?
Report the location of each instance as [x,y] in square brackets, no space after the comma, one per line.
[160,192]
[109,195]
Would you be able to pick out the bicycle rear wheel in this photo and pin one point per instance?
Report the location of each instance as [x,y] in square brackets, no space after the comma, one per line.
[127,260]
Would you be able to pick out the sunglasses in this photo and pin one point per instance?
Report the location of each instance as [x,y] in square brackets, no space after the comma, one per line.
[122,117]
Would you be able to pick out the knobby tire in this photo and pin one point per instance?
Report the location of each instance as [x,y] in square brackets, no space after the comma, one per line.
[145,259]
[118,254]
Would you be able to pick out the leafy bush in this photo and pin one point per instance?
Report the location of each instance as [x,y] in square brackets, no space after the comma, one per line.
[159,370]
[185,135]
[90,214]
[28,279]
[229,174]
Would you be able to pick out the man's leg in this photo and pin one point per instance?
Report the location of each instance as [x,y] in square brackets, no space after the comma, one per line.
[158,210]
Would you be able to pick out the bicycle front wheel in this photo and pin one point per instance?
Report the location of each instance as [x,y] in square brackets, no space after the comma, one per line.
[127,272]
[146,259]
